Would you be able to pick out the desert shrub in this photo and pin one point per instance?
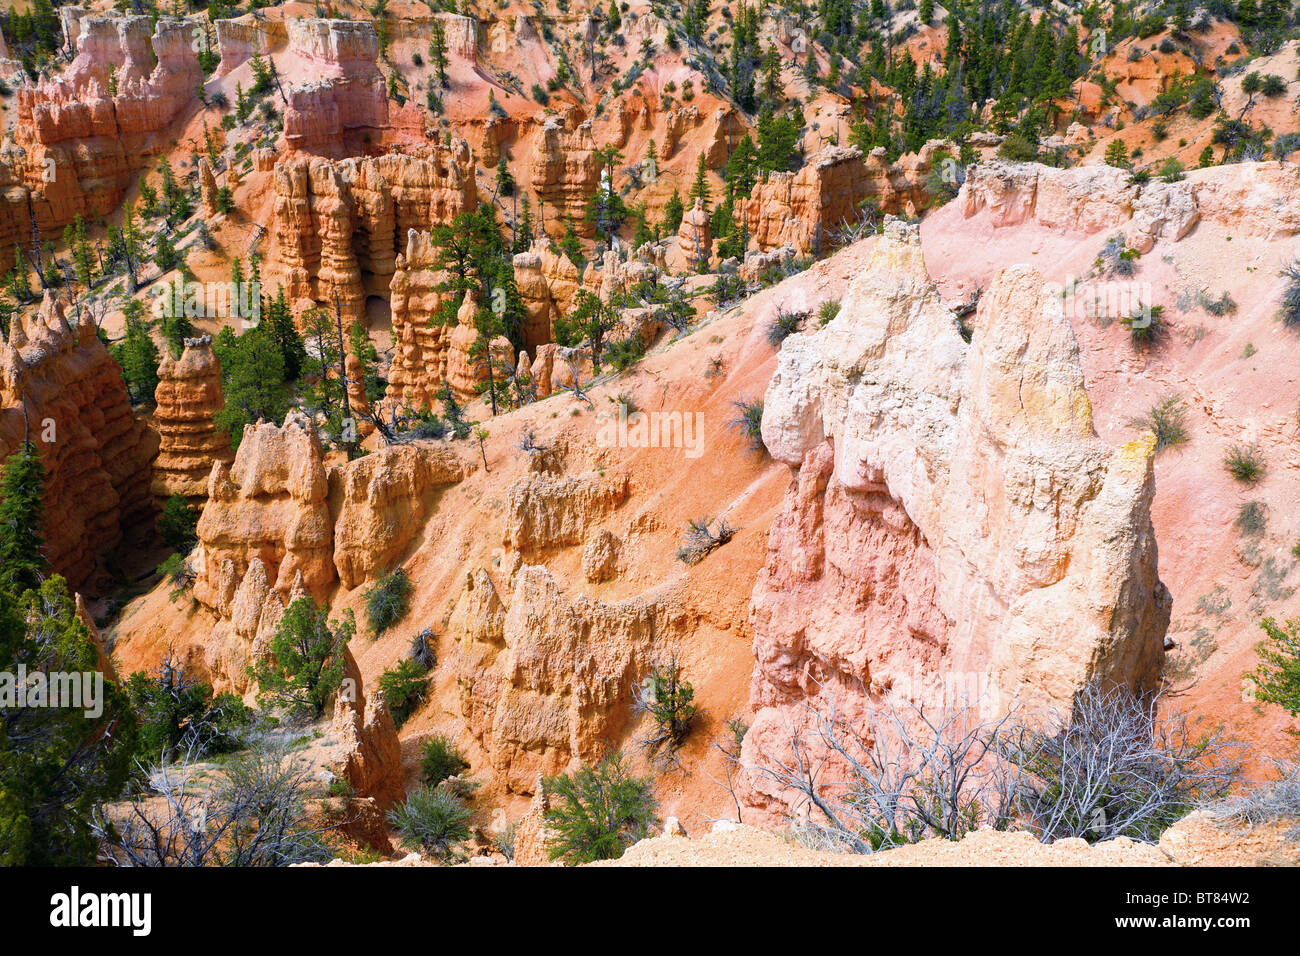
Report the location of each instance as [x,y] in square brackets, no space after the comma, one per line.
[1146,326]
[783,325]
[669,699]
[750,423]
[597,813]
[1165,420]
[1223,305]
[388,600]
[178,523]
[1264,803]
[305,664]
[256,816]
[442,759]
[625,352]
[1277,676]
[1252,518]
[404,686]
[827,311]
[176,572]
[1116,767]
[432,820]
[1290,312]
[700,540]
[179,715]
[1245,463]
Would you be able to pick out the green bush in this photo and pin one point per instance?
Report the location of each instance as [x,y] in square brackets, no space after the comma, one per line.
[1245,463]
[432,820]
[783,326]
[670,701]
[179,716]
[750,424]
[1166,422]
[404,686]
[597,813]
[442,759]
[388,600]
[304,666]
[1278,675]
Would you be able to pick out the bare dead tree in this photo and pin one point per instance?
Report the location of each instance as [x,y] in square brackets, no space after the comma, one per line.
[1115,766]
[255,817]
[909,773]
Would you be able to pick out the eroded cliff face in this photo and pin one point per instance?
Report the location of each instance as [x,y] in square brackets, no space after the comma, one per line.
[953,520]
[188,396]
[803,210]
[338,226]
[564,173]
[79,140]
[342,110]
[59,385]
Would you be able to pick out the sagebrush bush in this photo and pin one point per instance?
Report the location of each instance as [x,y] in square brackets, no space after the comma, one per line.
[1165,420]
[442,759]
[1245,463]
[597,813]
[388,600]
[1252,518]
[750,423]
[783,325]
[432,820]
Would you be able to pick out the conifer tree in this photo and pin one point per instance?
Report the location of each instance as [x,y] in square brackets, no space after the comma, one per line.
[22,520]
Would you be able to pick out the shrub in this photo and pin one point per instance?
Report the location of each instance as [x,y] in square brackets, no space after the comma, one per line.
[432,820]
[388,600]
[176,572]
[1146,326]
[179,715]
[1115,767]
[177,524]
[625,352]
[1165,420]
[1277,676]
[783,326]
[421,649]
[1252,518]
[827,311]
[1265,803]
[1245,463]
[670,701]
[404,686]
[305,663]
[1291,296]
[750,423]
[700,540]
[442,759]
[597,813]
[1018,148]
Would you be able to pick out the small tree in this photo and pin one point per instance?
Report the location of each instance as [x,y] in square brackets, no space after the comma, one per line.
[1277,676]
[597,813]
[22,521]
[404,686]
[669,699]
[178,523]
[305,663]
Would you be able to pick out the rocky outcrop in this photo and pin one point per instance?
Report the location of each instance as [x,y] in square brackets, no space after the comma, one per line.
[545,512]
[343,109]
[335,223]
[383,500]
[79,140]
[60,387]
[804,209]
[564,175]
[467,371]
[187,397]
[371,758]
[419,364]
[545,679]
[271,504]
[952,515]
[693,238]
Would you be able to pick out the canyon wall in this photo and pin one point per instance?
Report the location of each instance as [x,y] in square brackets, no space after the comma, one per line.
[187,397]
[343,109]
[60,386]
[80,139]
[953,519]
